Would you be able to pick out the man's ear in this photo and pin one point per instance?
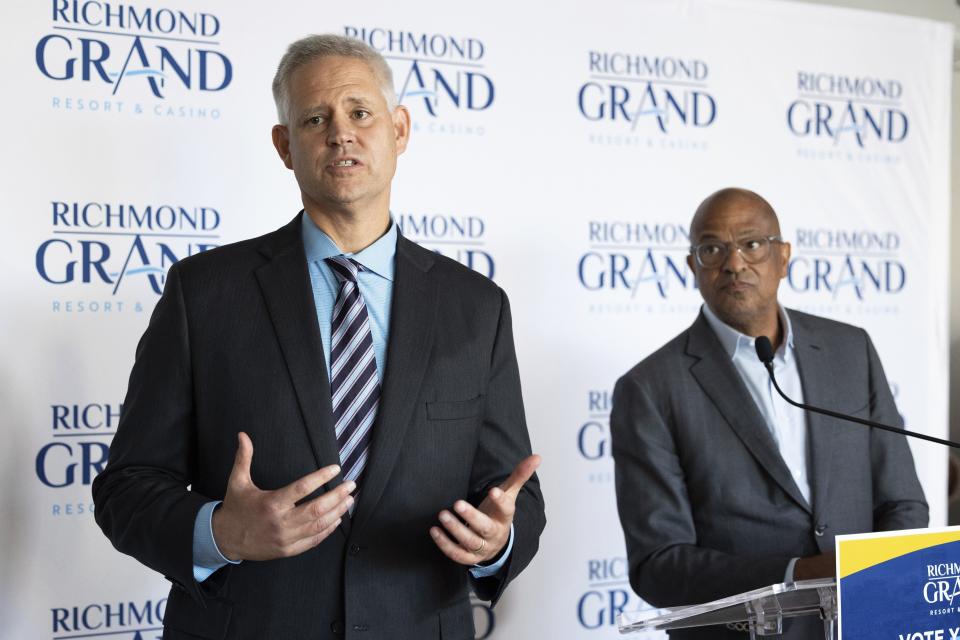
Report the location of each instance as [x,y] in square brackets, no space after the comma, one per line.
[281,142]
[401,127]
[785,257]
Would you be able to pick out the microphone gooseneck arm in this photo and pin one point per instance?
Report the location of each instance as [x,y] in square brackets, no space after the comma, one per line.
[765,353]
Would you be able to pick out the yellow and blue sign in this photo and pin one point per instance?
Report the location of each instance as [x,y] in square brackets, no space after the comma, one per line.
[902,585]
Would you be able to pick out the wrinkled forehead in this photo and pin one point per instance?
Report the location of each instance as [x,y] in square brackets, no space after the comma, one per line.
[738,219]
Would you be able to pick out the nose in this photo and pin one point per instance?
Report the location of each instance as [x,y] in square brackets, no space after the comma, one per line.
[340,132]
[734,262]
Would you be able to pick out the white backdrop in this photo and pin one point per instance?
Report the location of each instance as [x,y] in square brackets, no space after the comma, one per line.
[559,148]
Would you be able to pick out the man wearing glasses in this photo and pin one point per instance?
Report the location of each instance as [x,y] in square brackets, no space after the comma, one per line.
[722,486]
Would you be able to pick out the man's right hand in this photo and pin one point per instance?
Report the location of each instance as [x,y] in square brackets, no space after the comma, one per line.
[252,524]
[820,566]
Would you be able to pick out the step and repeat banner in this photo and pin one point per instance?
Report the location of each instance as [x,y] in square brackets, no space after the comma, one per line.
[558,148]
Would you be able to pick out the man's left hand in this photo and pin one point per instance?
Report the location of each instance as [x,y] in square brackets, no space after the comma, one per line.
[480,533]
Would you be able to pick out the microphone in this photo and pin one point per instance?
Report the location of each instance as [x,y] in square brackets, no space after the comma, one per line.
[765,354]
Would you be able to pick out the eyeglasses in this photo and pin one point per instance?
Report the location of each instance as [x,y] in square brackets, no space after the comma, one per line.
[713,253]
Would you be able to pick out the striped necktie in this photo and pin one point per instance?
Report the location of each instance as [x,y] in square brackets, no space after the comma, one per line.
[354,385]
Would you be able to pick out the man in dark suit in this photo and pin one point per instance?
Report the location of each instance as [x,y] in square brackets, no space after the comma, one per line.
[376,380]
[722,487]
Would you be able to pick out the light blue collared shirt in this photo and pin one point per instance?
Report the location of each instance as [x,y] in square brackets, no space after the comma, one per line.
[787,423]
[375,281]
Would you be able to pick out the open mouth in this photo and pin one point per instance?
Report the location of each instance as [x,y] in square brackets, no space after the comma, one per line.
[346,162]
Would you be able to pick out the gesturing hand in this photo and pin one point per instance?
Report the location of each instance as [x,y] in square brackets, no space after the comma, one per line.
[261,525]
[479,534]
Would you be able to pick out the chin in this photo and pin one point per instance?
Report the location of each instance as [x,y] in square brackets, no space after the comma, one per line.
[735,314]
[342,197]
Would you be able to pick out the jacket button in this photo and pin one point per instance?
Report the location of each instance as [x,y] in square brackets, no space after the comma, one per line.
[354,550]
[821,528]
[337,627]
[360,627]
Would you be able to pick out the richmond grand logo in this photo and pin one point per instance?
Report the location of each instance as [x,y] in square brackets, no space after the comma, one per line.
[106,249]
[645,259]
[942,587]
[75,452]
[648,93]
[146,51]
[853,110]
[435,74]
[462,238]
[607,593]
[847,264]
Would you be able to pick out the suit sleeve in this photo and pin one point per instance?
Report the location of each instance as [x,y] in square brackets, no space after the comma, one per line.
[666,566]
[898,500]
[141,499]
[503,443]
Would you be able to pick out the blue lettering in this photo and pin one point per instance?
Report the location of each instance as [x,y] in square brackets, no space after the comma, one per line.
[592,441]
[417,90]
[597,112]
[596,277]
[41,465]
[791,119]
[41,56]
[864,123]
[479,88]
[41,262]
[589,615]
[226,71]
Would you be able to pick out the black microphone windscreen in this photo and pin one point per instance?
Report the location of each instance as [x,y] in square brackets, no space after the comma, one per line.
[764,349]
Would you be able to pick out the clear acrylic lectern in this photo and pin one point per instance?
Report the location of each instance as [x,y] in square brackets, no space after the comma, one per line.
[761,612]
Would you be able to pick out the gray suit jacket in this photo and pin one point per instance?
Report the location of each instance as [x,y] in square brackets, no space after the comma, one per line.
[708,506]
[234,345]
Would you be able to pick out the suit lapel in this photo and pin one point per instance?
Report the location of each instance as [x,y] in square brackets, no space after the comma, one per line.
[412,321]
[821,387]
[285,283]
[721,381]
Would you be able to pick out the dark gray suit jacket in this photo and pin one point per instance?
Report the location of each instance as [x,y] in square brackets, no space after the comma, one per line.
[708,506]
[233,345]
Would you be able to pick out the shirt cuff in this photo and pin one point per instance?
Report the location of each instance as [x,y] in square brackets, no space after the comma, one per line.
[487,570]
[206,555]
[788,575]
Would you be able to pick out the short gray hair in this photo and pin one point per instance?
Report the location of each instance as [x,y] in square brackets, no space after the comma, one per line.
[310,48]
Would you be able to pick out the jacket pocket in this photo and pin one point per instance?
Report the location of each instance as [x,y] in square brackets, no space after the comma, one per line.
[454,409]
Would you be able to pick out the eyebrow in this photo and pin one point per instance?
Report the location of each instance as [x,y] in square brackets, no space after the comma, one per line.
[353,101]
[312,109]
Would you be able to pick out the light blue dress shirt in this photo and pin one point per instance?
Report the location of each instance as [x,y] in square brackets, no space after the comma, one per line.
[787,423]
[375,281]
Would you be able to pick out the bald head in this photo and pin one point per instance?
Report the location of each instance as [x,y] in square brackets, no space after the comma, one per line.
[724,200]
[737,234]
